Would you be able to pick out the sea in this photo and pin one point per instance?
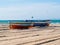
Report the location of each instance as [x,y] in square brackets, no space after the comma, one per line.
[8,21]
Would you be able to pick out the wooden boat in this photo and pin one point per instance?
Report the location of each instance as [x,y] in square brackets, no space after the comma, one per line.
[21,25]
[28,24]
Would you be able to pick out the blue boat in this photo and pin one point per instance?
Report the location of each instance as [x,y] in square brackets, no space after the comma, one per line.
[43,23]
[40,24]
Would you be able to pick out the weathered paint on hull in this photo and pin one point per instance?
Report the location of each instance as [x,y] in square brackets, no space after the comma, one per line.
[20,26]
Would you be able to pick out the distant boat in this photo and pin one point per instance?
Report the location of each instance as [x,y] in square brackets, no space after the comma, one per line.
[29,24]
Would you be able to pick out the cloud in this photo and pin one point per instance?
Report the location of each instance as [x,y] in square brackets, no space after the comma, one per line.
[26,11]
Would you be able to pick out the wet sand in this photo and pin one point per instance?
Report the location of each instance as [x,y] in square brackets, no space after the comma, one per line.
[34,36]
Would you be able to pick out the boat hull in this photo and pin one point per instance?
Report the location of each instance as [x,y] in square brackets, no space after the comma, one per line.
[20,26]
[41,24]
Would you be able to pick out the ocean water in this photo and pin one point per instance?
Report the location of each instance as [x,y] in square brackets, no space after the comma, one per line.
[8,21]
[55,21]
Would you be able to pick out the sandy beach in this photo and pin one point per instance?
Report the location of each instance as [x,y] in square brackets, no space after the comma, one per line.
[33,36]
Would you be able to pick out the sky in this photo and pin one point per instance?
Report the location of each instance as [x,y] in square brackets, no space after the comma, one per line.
[25,9]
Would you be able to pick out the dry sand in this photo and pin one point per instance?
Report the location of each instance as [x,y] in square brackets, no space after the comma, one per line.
[34,36]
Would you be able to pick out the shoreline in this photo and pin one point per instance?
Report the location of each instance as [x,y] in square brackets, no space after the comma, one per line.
[6,26]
